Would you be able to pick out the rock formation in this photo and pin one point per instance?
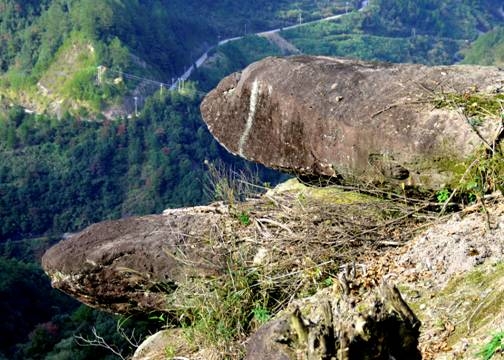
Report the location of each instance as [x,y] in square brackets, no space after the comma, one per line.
[133,264]
[341,324]
[342,119]
[352,119]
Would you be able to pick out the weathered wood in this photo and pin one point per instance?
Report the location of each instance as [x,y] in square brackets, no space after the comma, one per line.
[341,324]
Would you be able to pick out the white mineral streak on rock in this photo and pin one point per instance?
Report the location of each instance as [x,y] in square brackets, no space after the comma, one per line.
[251,115]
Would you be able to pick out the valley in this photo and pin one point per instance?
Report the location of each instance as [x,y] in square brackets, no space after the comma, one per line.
[76,150]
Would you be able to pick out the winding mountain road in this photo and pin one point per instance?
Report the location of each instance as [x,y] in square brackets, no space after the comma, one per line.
[201,60]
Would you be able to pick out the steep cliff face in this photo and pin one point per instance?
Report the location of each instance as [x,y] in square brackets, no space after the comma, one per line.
[352,119]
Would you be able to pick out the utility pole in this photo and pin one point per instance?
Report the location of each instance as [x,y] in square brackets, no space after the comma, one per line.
[136,105]
[161,91]
[300,18]
[100,72]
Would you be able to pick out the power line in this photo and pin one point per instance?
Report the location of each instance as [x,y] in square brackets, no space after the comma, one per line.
[140,78]
[177,83]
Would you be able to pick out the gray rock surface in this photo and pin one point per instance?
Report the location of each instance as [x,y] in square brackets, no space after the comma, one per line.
[133,264]
[351,119]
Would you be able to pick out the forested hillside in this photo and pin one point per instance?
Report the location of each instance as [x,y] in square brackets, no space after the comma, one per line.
[62,175]
[429,32]
[442,18]
[67,165]
[488,49]
[61,171]
[50,50]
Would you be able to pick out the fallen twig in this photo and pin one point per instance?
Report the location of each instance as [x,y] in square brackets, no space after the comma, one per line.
[276,223]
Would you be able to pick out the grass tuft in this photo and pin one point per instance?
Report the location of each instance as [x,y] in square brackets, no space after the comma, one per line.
[493,347]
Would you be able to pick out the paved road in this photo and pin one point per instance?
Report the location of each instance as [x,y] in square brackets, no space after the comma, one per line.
[201,60]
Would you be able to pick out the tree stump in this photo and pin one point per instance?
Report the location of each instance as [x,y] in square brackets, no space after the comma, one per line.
[342,323]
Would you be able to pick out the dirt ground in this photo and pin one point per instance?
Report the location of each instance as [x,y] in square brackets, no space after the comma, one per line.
[452,276]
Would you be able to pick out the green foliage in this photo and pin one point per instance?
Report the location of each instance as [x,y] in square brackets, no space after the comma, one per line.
[493,347]
[261,314]
[55,169]
[399,31]
[474,106]
[81,86]
[217,312]
[49,319]
[20,284]
[347,37]
[58,176]
[61,175]
[443,195]
[56,339]
[167,35]
[483,173]
[488,49]
[486,174]
[244,218]
[231,184]
[231,57]
[452,18]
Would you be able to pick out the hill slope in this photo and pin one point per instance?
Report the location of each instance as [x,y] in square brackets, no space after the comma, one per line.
[154,39]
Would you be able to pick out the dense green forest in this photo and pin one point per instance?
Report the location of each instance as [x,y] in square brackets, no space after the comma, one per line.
[50,319]
[58,176]
[49,50]
[60,173]
[455,19]
[430,32]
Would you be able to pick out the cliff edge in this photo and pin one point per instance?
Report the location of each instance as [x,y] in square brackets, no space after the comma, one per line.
[301,272]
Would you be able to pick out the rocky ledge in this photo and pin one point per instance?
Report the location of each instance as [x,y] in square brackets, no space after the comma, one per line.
[294,239]
[131,265]
[323,261]
[290,240]
[136,264]
[355,120]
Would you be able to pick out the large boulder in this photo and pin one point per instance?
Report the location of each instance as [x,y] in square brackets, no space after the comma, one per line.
[353,120]
[133,264]
[154,263]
